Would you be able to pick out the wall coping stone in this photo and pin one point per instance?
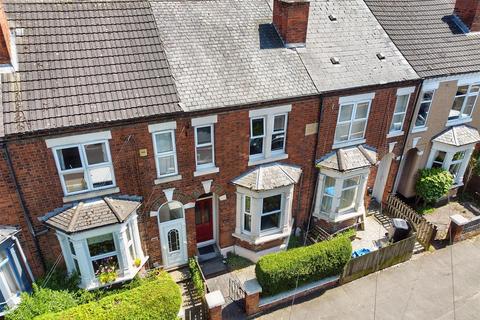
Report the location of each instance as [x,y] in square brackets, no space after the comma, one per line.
[214,299]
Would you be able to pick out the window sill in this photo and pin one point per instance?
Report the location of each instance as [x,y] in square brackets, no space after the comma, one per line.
[204,172]
[419,129]
[348,216]
[255,162]
[263,239]
[91,194]
[168,179]
[395,134]
[344,144]
[458,121]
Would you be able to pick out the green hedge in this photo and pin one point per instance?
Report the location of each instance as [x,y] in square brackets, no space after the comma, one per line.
[278,272]
[196,277]
[157,299]
[432,184]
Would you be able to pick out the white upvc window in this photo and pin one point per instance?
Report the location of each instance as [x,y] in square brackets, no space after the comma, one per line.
[352,121]
[423,111]
[84,167]
[204,147]
[103,252]
[464,103]
[247,215]
[399,113]
[451,158]
[165,153]
[10,286]
[340,195]
[268,134]
[271,213]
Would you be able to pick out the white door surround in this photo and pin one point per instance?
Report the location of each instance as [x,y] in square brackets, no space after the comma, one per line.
[173,239]
[382,176]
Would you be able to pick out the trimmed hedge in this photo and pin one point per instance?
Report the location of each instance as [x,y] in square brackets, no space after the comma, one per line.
[196,277]
[157,299]
[278,272]
[434,183]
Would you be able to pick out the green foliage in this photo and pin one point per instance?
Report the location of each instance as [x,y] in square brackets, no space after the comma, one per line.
[278,272]
[475,163]
[157,299]
[42,300]
[235,262]
[196,276]
[434,183]
[426,209]
[60,280]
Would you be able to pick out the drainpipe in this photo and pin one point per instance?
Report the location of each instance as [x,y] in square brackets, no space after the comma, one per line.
[26,213]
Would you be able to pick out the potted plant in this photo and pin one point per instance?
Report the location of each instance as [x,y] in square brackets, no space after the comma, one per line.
[107,271]
[137,262]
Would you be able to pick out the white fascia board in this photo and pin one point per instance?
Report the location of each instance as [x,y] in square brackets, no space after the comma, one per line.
[405,91]
[204,121]
[357,98]
[77,139]
[270,111]
[172,125]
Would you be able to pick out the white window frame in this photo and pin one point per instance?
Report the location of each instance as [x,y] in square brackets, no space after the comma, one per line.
[450,152]
[211,143]
[342,189]
[469,94]
[85,166]
[11,298]
[159,155]
[264,214]
[403,113]
[105,255]
[422,101]
[246,213]
[351,121]
[269,115]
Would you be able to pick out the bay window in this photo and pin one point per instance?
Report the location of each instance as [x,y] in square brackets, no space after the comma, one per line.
[464,103]
[102,251]
[425,104]
[451,158]
[247,215]
[271,212]
[268,134]
[439,159]
[84,167]
[352,121]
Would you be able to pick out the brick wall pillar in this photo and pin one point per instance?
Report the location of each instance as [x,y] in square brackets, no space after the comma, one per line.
[455,229]
[215,301]
[252,298]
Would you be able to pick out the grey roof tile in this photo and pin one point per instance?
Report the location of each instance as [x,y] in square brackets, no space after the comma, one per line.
[425,32]
[458,136]
[351,158]
[269,177]
[225,53]
[84,62]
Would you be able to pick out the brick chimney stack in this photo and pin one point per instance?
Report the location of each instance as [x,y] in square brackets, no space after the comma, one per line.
[469,12]
[290,18]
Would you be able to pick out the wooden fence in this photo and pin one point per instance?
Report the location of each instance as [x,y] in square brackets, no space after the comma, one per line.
[380,259]
[426,231]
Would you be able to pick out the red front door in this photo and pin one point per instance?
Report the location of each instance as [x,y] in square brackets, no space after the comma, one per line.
[204,219]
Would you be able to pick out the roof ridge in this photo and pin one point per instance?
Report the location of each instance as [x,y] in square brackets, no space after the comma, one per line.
[366,154]
[341,163]
[112,208]
[286,173]
[75,216]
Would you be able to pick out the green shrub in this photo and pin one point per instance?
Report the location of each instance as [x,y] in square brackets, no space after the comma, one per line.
[433,184]
[236,262]
[196,277]
[278,272]
[157,299]
[42,300]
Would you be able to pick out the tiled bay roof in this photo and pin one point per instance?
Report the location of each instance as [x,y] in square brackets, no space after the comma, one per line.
[458,136]
[355,38]
[351,158]
[269,177]
[427,35]
[92,213]
[226,53]
[6,232]
[84,62]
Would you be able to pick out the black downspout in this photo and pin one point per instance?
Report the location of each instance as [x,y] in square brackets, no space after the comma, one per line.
[26,213]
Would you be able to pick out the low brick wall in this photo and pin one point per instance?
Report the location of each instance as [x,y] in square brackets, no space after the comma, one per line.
[461,228]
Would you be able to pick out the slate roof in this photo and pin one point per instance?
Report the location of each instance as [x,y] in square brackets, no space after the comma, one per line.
[269,177]
[355,39]
[349,158]
[226,52]
[427,35]
[458,136]
[92,213]
[6,232]
[84,62]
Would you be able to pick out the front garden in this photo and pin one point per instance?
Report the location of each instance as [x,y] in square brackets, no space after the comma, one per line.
[155,296]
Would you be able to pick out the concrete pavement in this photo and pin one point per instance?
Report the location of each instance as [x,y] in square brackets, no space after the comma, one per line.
[421,289]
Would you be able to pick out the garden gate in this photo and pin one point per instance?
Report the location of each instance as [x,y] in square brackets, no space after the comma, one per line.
[236,293]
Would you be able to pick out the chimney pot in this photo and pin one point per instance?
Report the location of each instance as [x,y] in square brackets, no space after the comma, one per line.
[469,12]
[290,18]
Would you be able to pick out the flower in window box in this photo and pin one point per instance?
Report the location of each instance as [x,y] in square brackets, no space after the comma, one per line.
[137,262]
[107,271]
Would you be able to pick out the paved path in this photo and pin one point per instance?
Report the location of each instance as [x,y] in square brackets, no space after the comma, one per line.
[420,289]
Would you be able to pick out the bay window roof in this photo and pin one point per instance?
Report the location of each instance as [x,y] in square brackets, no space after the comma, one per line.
[269,177]
[93,213]
[6,232]
[458,136]
[346,159]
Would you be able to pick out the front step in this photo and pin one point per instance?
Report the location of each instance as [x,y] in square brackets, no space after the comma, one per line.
[208,253]
[213,267]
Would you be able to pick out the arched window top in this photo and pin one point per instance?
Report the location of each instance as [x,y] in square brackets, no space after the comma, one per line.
[170,211]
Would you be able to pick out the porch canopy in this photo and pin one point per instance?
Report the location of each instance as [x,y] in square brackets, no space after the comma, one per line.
[458,136]
[269,177]
[347,159]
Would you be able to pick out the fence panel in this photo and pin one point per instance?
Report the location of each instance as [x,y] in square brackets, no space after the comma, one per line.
[425,230]
[380,259]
